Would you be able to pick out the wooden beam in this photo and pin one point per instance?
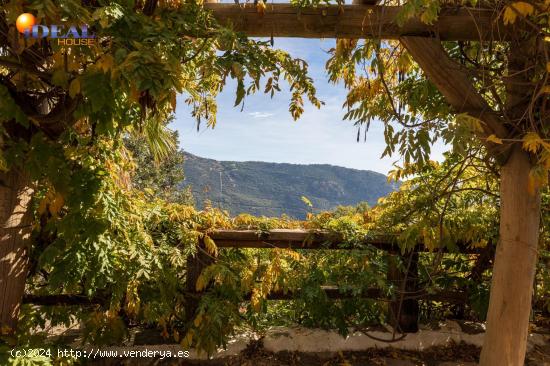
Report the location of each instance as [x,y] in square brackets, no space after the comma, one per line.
[195,265]
[293,238]
[306,239]
[331,292]
[335,293]
[454,82]
[358,21]
[404,311]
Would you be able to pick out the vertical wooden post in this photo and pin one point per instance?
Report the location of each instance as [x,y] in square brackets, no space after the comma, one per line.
[403,312]
[16,216]
[195,265]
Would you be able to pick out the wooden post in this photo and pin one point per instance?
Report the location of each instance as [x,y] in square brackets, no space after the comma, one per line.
[195,265]
[16,217]
[406,283]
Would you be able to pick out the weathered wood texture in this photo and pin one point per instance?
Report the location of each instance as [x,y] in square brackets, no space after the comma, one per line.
[195,265]
[505,341]
[453,81]
[336,293]
[289,238]
[330,291]
[15,239]
[358,21]
[306,239]
[404,309]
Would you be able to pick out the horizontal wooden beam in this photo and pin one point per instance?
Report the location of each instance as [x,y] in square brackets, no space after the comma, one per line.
[358,21]
[293,238]
[306,239]
[334,293]
[331,292]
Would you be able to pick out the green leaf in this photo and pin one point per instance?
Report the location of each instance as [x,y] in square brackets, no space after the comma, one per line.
[60,77]
[74,87]
[240,92]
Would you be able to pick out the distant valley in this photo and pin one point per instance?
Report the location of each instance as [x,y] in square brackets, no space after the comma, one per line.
[271,189]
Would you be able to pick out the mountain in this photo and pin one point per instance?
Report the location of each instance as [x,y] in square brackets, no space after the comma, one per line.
[271,189]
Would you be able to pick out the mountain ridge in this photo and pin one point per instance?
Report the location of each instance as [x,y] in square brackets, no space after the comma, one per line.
[272,189]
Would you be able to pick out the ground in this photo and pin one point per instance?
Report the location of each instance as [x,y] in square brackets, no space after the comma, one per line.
[255,355]
[451,344]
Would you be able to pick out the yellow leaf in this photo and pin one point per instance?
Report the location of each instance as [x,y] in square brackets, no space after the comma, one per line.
[531,142]
[74,88]
[519,7]
[210,245]
[545,89]
[105,63]
[523,8]
[173,101]
[255,300]
[293,254]
[198,320]
[545,160]
[538,177]
[404,62]
[472,123]
[134,93]
[53,203]
[482,243]
[201,282]
[260,7]
[494,139]
[548,66]
[186,342]
[509,16]
[306,201]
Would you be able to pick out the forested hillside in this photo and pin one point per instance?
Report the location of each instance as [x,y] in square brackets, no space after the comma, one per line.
[272,189]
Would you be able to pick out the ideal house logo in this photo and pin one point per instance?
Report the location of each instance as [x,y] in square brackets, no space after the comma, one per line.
[65,35]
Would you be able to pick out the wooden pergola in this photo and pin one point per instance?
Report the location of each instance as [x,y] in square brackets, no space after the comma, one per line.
[357,21]
[516,254]
[403,308]
[515,258]
[365,19]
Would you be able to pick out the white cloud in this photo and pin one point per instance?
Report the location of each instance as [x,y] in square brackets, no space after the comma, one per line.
[260,114]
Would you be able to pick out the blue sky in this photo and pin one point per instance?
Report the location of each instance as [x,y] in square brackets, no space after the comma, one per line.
[265,131]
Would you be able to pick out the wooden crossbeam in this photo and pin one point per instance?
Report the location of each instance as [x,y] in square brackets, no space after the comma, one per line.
[453,81]
[331,292]
[358,21]
[305,239]
[291,238]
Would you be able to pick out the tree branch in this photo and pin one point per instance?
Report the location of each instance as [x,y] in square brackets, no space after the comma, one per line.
[452,80]
[15,65]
